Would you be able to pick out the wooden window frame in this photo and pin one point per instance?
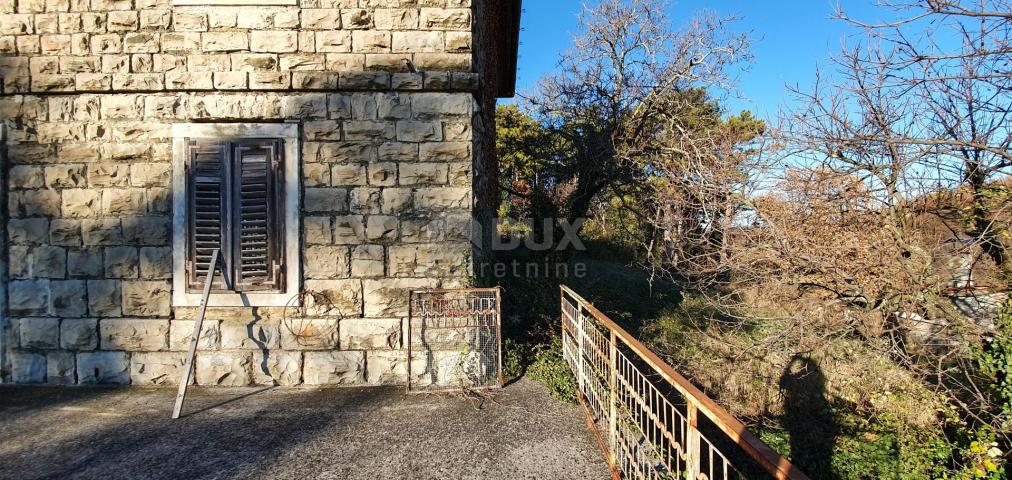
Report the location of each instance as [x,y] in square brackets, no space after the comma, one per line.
[282,289]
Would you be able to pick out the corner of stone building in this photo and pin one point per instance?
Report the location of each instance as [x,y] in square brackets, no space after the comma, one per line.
[4,328]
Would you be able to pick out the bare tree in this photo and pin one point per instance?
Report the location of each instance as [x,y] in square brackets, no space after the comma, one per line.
[627,61]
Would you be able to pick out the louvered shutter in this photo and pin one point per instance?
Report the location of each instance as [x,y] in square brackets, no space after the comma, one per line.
[207,173]
[257,203]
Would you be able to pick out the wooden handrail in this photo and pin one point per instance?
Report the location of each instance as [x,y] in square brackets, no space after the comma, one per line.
[763,454]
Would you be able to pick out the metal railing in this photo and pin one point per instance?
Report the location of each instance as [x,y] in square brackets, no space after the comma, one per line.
[648,419]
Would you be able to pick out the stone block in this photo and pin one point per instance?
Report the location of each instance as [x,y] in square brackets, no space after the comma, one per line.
[106,231]
[365,200]
[368,261]
[61,368]
[39,333]
[79,203]
[140,42]
[428,260]
[342,298]
[277,41]
[444,151]
[68,298]
[109,175]
[44,203]
[28,297]
[65,233]
[407,81]
[79,334]
[156,263]
[121,262]
[65,176]
[224,41]
[334,368]
[253,335]
[123,201]
[419,131]
[348,175]
[456,62]
[397,200]
[25,177]
[356,19]
[318,230]
[147,298]
[49,262]
[27,231]
[363,130]
[19,262]
[396,18]
[333,41]
[104,298]
[103,368]
[423,174]
[84,263]
[371,334]
[134,335]
[422,230]
[121,21]
[390,368]
[159,368]
[321,18]
[438,105]
[309,334]
[417,41]
[326,262]
[189,21]
[146,230]
[181,331]
[277,368]
[383,174]
[441,199]
[370,41]
[388,297]
[325,200]
[398,152]
[224,369]
[27,367]
[382,228]
[349,230]
[457,42]
[316,175]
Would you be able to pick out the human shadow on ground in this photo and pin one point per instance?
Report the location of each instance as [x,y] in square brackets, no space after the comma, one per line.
[808,417]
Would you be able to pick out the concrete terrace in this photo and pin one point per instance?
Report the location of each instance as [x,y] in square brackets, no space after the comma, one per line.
[319,433]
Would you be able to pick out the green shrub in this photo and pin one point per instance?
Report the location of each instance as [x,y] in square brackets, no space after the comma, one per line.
[551,370]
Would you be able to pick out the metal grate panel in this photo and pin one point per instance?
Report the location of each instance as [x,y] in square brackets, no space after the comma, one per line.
[454,340]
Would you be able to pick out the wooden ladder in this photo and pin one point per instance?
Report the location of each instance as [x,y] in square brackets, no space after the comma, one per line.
[213,268]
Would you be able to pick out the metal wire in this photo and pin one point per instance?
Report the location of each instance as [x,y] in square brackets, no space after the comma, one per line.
[454,340]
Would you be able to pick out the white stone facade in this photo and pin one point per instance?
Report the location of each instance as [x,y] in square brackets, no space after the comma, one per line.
[91,94]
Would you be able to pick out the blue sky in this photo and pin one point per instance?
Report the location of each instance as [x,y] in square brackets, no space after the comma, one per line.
[792,38]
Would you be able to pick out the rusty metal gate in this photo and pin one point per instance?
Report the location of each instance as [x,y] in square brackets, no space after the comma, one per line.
[454,340]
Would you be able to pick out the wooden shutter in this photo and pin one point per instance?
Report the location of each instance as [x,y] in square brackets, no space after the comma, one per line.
[207,171]
[258,246]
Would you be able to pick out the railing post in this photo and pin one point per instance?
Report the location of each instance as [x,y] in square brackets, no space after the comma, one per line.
[580,333]
[613,404]
[692,461]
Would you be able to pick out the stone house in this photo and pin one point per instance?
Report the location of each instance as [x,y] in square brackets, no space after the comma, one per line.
[337,152]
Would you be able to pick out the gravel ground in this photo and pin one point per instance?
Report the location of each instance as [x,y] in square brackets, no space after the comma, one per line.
[330,433]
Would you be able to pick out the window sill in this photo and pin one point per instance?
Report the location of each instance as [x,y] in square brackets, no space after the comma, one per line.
[287,299]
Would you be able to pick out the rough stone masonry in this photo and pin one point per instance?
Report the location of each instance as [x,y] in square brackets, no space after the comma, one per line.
[91,89]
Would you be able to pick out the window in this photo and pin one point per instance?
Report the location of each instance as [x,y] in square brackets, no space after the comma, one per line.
[235,190]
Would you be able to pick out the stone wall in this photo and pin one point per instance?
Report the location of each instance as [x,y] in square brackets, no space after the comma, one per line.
[149,45]
[386,207]
[90,91]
